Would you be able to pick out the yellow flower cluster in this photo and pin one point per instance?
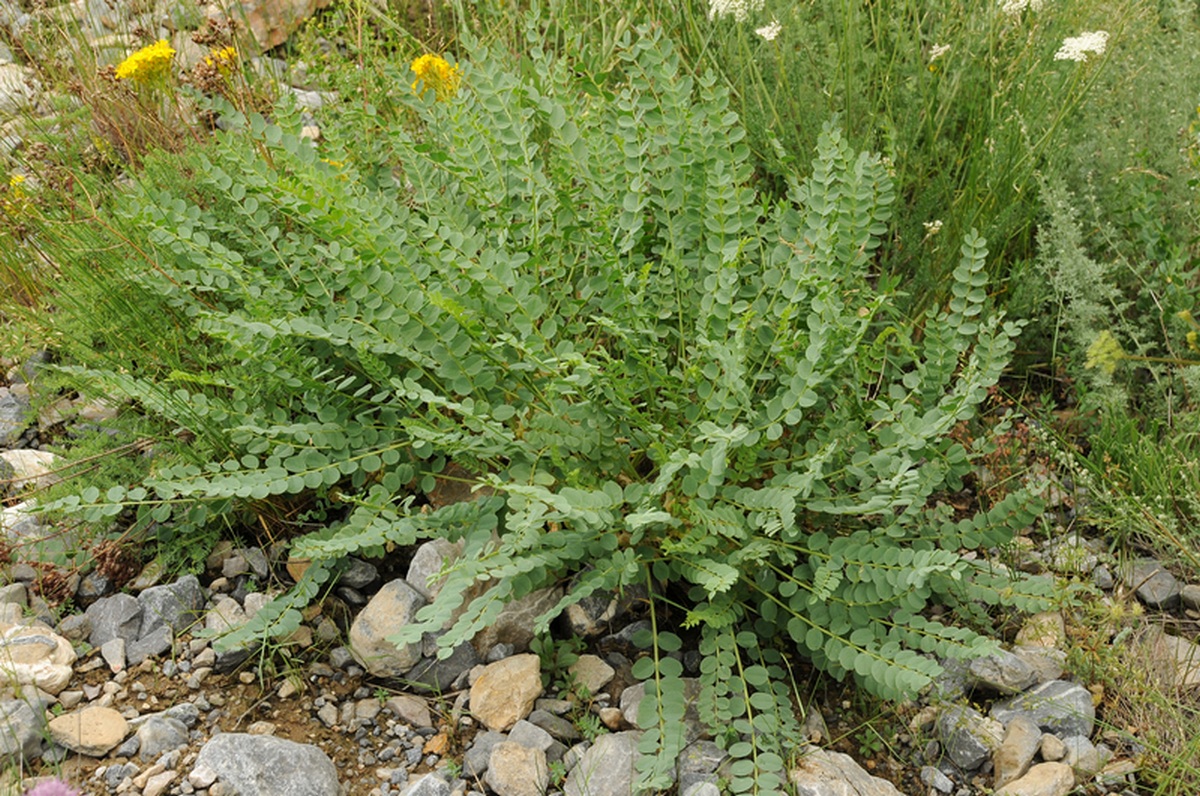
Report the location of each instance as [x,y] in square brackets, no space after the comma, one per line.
[13,200]
[222,59]
[435,72]
[147,62]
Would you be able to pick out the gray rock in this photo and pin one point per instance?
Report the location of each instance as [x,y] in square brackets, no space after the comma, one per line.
[1002,671]
[607,768]
[936,779]
[698,763]
[428,785]
[148,646]
[475,760]
[174,605]
[1153,584]
[514,624]
[530,736]
[21,731]
[1083,758]
[557,726]
[92,587]
[633,696]
[115,774]
[1061,707]
[411,709]
[702,789]
[822,773]
[263,765]
[160,734]
[359,574]
[1022,737]
[1047,664]
[1103,578]
[75,627]
[436,675]
[595,614]
[517,770]
[1072,555]
[951,684]
[14,409]
[118,616]
[968,738]
[1190,594]
[392,608]
[428,562]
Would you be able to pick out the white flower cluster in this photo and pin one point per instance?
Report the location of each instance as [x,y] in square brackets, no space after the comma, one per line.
[938,51]
[770,31]
[1014,7]
[1078,47]
[739,9]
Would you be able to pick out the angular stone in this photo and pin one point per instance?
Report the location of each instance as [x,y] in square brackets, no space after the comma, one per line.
[1153,584]
[631,702]
[433,674]
[1190,594]
[160,734]
[476,758]
[968,738]
[113,652]
[506,690]
[21,731]
[514,624]
[607,768]
[92,731]
[1053,749]
[118,616]
[1176,657]
[33,656]
[1059,706]
[29,469]
[425,569]
[1002,671]
[1047,664]
[595,614]
[557,726]
[412,710]
[14,410]
[391,609]
[823,773]
[516,770]
[1044,779]
[698,763]
[263,765]
[592,673]
[1083,757]
[936,780]
[359,574]
[156,643]
[175,605]
[1021,741]
[428,785]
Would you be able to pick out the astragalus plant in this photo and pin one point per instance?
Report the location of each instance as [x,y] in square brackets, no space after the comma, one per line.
[575,297]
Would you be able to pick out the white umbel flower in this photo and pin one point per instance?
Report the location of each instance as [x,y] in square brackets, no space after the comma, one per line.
[938,51]
[1079,47]
[770,31]
[738,9]
[1015,7]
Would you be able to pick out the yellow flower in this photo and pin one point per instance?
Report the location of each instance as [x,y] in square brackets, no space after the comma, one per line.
[13,200]
[147,62]
[222,59]
[1104,353]
[435,72]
